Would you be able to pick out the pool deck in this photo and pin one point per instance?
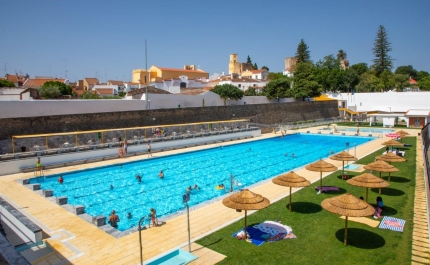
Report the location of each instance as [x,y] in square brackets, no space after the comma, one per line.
[74,241]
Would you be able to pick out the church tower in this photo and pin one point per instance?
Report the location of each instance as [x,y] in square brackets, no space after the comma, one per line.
[232,64]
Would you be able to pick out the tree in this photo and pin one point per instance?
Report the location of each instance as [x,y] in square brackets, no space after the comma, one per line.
[265,67]
[387,80]
[422,74]
[255,67]
[250,92]
[304,82]
[6,83]
[381,49]
[369,83]
[49,92]
[424,83]
[328,73]
[228,91]
[303,54]
[360,68]
[401,81]
[277,88]
[63,88]
[348,80]
[406,70]
[273,75]
[341,55]
[248,60]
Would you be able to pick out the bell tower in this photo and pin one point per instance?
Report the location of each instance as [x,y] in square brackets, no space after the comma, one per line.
[232,64]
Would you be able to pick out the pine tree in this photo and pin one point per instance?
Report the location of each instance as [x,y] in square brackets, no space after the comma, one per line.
[248,60]
[341,55]
[255,66]
[381,48]
[303,54]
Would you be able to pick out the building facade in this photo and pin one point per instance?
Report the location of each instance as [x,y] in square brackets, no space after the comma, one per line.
[156,73]
[235,67]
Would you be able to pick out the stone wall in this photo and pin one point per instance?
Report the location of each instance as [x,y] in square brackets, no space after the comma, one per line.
[260,113]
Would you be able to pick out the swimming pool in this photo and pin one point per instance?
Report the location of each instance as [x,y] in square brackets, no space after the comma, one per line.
[248,162]
[365,130]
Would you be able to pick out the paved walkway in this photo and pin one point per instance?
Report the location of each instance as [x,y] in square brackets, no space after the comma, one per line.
[74,241]
[420,233]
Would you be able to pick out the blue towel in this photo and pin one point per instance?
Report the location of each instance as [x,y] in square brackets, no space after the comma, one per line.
[257,236]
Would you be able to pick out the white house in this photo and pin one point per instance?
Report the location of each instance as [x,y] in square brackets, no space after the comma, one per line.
[244,83]
[129,86]
[174,85]
[106,90]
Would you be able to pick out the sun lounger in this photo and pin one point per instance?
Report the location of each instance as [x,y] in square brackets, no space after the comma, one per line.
[327,188]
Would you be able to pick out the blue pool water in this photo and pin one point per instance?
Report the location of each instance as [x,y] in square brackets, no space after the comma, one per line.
[248,162]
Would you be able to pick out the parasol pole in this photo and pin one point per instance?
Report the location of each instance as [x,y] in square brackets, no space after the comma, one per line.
[389,173]
[367,193]
[321,182]
[343,168]
[244,229]
[346,231]
[290,199]
[380,176]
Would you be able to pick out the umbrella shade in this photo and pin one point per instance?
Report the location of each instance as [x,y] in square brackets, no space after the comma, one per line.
[349,206]
[391,157]
[291,179]
[368,180]
[381,166]
[392,142]
[343,156]
[321,166]
[246,200]
[402,132]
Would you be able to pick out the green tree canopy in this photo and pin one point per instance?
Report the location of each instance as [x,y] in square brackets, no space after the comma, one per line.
[265,67]
[328,73]
[277,88]
[6,83]
[401,81]
[341,55]
[382,47]
[406,70]
[369,83]
[422,74]
[49,92]
[304,82]
[424,83]
[360,68]
[348,80]
[303,53]
[89,95]
[228,91]
[273,75]
[387,80]
[255,66]
[248,60]
[63,88]
[250,92]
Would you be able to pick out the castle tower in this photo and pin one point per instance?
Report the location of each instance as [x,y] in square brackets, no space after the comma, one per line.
[232,65]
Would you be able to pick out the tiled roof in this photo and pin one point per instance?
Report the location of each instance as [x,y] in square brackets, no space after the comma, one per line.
[131,83]
[181,70]
[92,80]
[40,82]
[116,82]
[246,80]
[257,71]
[412,81]
[105,91]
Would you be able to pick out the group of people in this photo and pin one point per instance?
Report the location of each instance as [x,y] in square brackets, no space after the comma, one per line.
[114,218]
[378,208]
[195,187]
[122,148]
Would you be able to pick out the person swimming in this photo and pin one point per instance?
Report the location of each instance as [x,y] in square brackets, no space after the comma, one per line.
[139,178]
[196,187]
[129,216]
[220,187]
[286,154]
[161,174]
[292,155]
[111,187]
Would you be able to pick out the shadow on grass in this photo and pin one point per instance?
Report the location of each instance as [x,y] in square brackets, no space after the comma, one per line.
[340,191]
[389,192]
[212,243]
[304,207]
[361,238]
[397,179]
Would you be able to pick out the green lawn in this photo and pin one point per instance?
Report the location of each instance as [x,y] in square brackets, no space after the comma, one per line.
[320,233]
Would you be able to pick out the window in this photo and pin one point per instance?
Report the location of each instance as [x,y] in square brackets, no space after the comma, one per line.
[239,85]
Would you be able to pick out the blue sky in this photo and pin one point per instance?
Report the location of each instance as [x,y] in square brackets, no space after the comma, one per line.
[107,38]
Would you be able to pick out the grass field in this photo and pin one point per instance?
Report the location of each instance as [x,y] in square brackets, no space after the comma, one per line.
[320,233]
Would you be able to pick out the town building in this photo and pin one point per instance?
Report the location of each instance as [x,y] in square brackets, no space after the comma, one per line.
[290,64]
[156,73]
[18,80]
[235,67]
[39,81]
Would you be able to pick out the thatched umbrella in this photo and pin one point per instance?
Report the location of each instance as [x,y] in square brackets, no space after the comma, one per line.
[392,143]
[291,179]
[321,166]
[402,132]
[246,200]
[390,157]
[343,156]
[348,206]
[368,180]
[381,166]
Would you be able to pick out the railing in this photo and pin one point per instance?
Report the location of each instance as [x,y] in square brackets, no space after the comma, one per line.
[425,138]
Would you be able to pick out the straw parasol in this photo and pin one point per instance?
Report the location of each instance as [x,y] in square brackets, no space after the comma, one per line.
[291,179]
[381,166]
[368,180]
[390,157]
[349,206]
[392,143]
[321,166]
[343,156]
[402,132]
[246,200]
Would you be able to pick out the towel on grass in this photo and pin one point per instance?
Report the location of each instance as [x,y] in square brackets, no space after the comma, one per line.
[267,232]
[392,223]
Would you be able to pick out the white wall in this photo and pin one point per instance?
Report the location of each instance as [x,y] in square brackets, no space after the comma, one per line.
[34,108]
[388,101]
